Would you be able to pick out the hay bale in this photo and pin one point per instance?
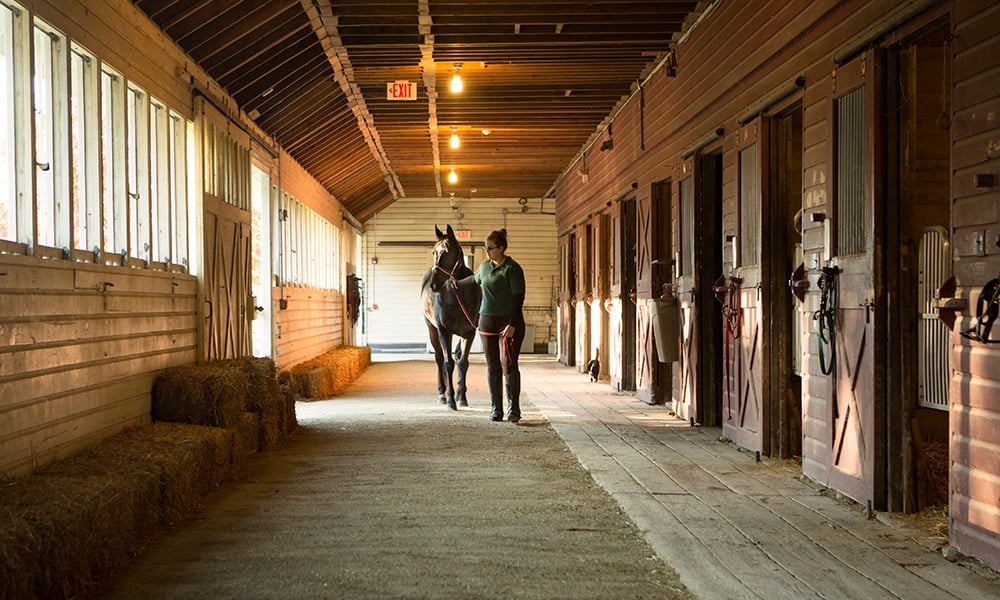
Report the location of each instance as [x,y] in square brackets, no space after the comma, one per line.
[329,373]
[213,395]
[246,438]
[264,397]
[69,526]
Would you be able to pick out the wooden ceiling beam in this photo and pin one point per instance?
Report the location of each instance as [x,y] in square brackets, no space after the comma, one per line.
[324,24]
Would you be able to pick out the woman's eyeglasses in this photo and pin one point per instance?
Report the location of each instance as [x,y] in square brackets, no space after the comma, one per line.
[488,248]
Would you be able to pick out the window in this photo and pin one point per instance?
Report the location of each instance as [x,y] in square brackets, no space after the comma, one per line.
[137,153]
[91,168]
[85,151]
[159,180]
[114,207]
[8,125]
[309,247]
[51,201]
[180,133]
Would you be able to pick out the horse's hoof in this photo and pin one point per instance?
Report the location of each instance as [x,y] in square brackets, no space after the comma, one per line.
[463,402]
[442,399]
[452,406]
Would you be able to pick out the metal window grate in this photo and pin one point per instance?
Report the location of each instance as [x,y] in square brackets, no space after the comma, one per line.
[932,337]
[851,163]
[687,227]
[749,207]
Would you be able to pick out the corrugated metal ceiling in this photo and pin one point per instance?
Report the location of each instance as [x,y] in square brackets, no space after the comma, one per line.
[539,77]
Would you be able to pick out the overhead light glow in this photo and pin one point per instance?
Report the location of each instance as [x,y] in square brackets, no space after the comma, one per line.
[452,176]
[454,142]
[456,84]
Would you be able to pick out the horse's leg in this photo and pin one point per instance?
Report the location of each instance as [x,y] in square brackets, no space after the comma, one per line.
[444,339]
[464,348]
[438,359]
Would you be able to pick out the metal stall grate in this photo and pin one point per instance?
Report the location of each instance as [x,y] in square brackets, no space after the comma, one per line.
[749,208]
[851,173]
[932,340]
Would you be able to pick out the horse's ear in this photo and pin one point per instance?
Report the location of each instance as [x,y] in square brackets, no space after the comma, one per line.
[440,235]
[451,232]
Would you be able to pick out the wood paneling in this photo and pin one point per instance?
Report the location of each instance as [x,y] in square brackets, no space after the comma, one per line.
[975,385]
[80,346]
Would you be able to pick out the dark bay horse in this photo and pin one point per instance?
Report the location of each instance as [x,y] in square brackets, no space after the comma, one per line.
[448,314]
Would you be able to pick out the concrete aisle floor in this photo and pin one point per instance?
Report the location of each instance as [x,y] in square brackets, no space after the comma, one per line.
[360,505]
[733,528]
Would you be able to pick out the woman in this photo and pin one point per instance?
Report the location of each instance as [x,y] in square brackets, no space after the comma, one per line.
[501,323]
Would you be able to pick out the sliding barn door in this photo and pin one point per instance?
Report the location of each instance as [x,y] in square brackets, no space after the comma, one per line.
[228,287]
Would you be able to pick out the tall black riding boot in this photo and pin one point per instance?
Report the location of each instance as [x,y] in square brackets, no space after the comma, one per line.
[514,396]
[495,380]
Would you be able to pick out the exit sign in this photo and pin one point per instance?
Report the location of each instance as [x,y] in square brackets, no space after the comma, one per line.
[401,90]
[463,234]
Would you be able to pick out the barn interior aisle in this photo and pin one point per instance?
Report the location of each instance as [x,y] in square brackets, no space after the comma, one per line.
[386,493]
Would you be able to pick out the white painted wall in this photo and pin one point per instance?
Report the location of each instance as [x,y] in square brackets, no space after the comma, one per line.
[393,305]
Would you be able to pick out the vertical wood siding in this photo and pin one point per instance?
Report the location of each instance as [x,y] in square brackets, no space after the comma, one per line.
[80,346]
[974,510]
[401,237]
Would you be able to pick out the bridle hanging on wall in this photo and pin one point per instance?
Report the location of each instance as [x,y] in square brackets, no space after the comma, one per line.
[827,317]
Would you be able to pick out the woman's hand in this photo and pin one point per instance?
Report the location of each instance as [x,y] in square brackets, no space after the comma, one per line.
[508,331]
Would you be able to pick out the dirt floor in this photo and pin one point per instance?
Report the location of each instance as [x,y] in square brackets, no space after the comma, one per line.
[384,493]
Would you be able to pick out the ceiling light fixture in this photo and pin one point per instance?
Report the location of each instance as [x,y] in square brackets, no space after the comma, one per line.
[452,176]
[456,80]
[455,143]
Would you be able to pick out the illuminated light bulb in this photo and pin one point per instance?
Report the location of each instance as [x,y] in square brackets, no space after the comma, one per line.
[453,177]
[456,84]
[454,142]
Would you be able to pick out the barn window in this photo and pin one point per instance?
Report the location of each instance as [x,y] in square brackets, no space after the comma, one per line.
[11,56]
[85,154]
[851,166]
[137,153]
[180,130]
[687,227]
[51,201]
[115,225]
[749,242]
[309,247]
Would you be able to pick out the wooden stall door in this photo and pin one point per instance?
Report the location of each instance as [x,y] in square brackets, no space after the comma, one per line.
[228,289]
[856,429]
[644,359]
[613,306]
[600,289]
[567,318]
[746,404]
[686,280]
[228,285]
[580,304]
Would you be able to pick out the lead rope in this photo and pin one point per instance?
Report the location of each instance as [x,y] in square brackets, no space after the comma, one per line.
[466,312]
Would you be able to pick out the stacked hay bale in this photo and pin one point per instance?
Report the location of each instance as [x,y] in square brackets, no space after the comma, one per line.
[241,395]
[329,373]
[69,526]
[65,529]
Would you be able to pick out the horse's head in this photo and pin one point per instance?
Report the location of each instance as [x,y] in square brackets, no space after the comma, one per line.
[448,258]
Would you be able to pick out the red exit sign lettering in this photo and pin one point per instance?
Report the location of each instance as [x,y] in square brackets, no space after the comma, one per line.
[401,90]
[463,234]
